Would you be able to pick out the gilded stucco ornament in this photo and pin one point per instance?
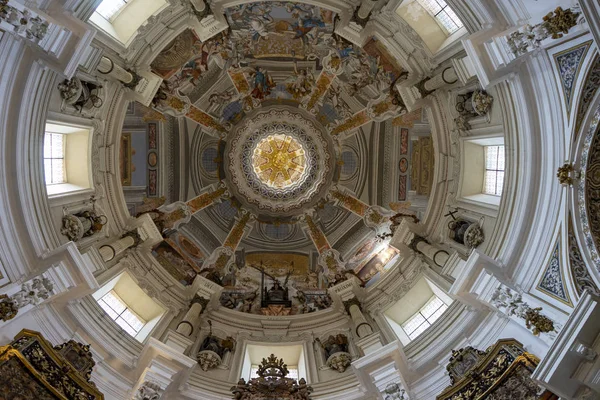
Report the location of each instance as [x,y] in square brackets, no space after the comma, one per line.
[8,308]
[512,304]
[565,174]
[272,383]
[554,25]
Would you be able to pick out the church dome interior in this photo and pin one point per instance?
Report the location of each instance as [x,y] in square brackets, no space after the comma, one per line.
[273,200]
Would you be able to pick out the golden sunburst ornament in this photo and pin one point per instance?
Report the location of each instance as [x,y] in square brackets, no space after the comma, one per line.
[279,160]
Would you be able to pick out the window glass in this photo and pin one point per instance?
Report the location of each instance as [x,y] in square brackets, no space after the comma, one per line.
[108,8]
[443,14]
[494,170]
[292,372]
[424,318]
[54,158]
[120,313]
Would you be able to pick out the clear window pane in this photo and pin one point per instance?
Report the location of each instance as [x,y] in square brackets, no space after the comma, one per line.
[123,324]
[114,302]
[48,171]
[118,311]
[413,323]
[47,145]
[494,170]
[57,148]
[431,307]
[425,317]
[54,158]
[132,320]
[420,329]
[293,373]
[108,8]
[445,16]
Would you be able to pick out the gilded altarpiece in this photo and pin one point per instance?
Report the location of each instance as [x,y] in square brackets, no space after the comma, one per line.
[502,372]
[31,368]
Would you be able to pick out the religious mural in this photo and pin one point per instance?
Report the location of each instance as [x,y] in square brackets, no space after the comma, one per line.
[234,72]
[179,256]
[286,282]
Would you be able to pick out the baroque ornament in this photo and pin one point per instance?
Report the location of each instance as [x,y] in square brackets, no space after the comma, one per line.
[564,174]
[474,236]
[148,391]
[512,304]
[208,360]
[272,383]
[279,162]
[555,24]
[8,308]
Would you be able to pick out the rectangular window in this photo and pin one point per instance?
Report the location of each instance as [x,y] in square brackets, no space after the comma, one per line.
[443,14]
[54,158]
[494,170]
[292,372]
[424,318]
[120,313]
[109,8]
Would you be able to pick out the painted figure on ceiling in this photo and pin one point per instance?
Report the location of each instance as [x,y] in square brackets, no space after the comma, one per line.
[262,83]
[301,83]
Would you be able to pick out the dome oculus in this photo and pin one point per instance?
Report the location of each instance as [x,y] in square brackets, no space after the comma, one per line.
[279,161]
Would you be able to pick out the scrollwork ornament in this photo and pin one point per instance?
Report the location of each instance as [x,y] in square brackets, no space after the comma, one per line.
[512,304]
[8,308]
[339,361]
[474,236]
[208,360]
[148,391]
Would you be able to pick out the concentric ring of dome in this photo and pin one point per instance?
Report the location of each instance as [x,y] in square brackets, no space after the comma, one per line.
[279,161]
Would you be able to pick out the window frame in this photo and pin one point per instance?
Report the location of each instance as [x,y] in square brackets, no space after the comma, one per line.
[111,292]
[51,158]
[498,191]
[426,320]
[254,369]
[115,15]
[435,15]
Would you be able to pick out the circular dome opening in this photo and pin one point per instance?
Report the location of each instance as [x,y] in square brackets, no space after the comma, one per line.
[279,161]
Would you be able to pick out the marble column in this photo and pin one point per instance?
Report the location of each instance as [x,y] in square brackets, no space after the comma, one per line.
[362,328]
[199,5]
[189,323]
[437,255]
[366,6]
[109,68]
[110,251]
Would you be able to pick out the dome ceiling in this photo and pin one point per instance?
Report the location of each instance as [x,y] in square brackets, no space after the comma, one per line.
[279,162]
[280,110]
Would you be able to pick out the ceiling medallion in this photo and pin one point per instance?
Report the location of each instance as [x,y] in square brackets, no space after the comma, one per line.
[279,161]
